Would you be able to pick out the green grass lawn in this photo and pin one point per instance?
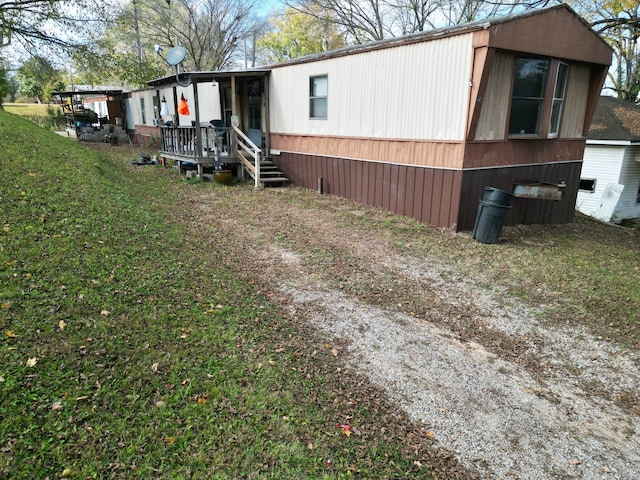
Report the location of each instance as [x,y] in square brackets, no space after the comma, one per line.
[25,109]
[124,354]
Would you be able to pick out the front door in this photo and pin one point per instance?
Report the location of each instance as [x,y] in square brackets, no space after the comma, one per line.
[255,111]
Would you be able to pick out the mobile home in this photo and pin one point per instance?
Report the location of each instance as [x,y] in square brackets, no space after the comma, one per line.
[421,124]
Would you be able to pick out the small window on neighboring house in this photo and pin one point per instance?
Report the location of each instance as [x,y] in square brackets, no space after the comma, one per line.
[142,113]
[558,99]
[156,110]
[587,185]
[638,196]
[527,101]
[318,88]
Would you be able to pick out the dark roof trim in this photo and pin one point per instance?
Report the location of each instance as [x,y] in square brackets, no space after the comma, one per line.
[73,93]
[170,81]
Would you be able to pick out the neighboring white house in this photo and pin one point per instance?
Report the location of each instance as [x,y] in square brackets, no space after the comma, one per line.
[610,177]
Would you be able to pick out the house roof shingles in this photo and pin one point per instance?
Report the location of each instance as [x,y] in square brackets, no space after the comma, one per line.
[615,120]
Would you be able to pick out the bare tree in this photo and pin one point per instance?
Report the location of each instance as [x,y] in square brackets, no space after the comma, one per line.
[58,24]
[362,20]
[619,24]
[370,20]
[212,31]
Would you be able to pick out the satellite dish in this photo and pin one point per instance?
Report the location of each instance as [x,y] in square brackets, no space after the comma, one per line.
[176,55]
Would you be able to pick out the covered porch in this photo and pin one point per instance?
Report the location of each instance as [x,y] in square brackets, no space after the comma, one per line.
[218,121]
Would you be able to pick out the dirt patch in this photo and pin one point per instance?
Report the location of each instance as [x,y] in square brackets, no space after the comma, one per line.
[506,393]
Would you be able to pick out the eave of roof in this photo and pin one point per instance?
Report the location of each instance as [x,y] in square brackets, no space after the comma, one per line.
[207,76]
[72,93]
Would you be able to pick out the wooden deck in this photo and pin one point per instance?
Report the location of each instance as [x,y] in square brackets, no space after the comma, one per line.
[219,147]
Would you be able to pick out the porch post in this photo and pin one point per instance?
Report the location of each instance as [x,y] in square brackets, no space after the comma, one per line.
[176,117]
[267,124]
[197,132]
[234,112]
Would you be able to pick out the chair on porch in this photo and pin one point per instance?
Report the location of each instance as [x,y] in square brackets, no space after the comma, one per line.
[219,130]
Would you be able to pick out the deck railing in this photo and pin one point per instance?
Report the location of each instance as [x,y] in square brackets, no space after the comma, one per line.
[182,142]
[249,154]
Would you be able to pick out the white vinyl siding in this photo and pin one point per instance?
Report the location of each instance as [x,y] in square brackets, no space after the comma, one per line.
[418,91]
[630,178]
[604,163]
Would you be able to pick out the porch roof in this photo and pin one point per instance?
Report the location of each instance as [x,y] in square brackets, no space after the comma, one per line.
[208,76]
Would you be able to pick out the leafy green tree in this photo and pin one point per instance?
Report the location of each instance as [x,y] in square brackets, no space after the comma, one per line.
[37,78]
[5,86]
[296,34]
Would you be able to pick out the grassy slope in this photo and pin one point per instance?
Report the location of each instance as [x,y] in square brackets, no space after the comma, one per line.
[123,355]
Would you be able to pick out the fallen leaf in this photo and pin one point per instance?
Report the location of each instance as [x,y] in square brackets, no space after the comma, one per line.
[56,406]
[185,381]
[66,473]
[105,313]
[417,463]
[170,440]
[31,362]
[1,379]
[154,368]
[604,469]
[334,352]
[6,305]
[346,429]
[61,324]
[160,404]
[575,461]
[430,435]
[202,400]
[310,446]
[10,334]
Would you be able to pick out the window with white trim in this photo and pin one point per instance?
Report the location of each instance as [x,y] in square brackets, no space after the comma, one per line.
[318,92]
[142,112]
[558,99]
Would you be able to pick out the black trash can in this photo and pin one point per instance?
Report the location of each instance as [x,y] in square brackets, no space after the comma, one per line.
[492,211]
[497,196]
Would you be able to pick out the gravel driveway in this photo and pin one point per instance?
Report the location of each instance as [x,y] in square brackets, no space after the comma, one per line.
[510,395]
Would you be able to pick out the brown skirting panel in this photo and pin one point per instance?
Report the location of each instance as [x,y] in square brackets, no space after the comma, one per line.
[429,195]
[523,211]
[441,197]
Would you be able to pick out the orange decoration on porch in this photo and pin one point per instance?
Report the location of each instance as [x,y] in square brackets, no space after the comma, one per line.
[183,106]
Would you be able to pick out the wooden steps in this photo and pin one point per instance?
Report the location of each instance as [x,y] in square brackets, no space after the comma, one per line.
[270,174]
